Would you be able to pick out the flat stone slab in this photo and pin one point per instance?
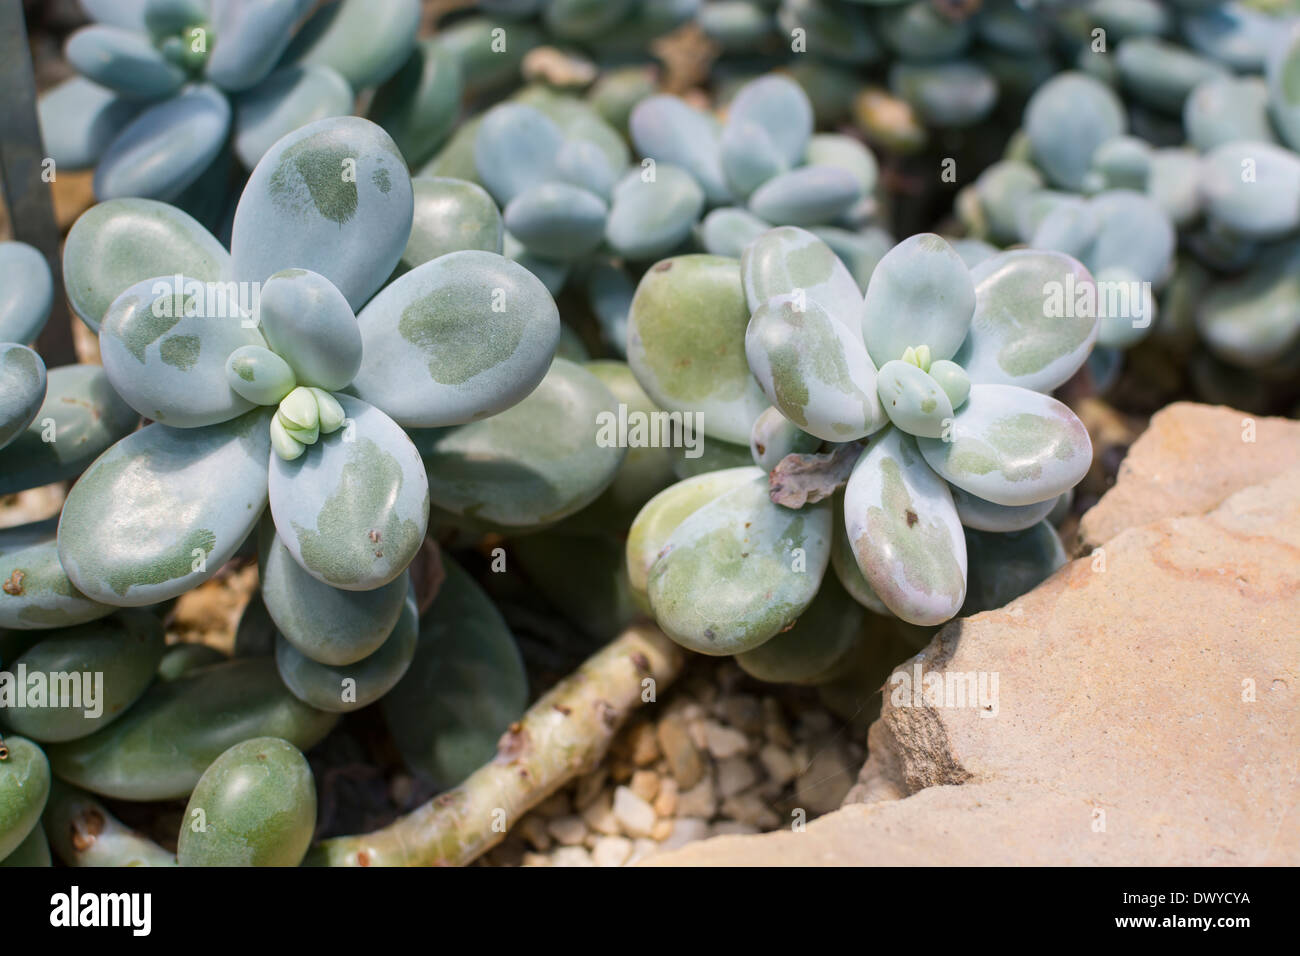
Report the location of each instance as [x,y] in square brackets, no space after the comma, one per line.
[1145,708]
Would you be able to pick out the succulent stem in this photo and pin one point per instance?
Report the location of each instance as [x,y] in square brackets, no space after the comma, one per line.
[563,735]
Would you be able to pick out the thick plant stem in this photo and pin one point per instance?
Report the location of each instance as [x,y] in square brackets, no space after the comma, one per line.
[82,832]
[563,735]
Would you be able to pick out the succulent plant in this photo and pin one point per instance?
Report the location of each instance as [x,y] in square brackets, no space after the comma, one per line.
[166,86]
[1167,169]
[944,370]
[290,398]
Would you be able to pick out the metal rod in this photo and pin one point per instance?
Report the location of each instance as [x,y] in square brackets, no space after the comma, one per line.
[22,156]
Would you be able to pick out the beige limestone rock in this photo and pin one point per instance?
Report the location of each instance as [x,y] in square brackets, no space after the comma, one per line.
[1144,714]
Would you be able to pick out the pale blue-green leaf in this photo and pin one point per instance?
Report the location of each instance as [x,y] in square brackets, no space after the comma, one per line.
[668,131]
[79,119]
[250,37]
[287,100]
[904,531]
[516,147]
[650,219]
[122,61]
[1011,446]
[420,103]
[165,148]
[367,41]
[451,215]
[309,324]
[986,516]
[1066,120]
[26,292]
[457,339]
[162,510]
[787,260]
[22,389]
[807,196]
[1252,188]
[780,108]
[557,220]
[727,231]
[914,401]
[353,509]
[920,294]
[333,197]
[40,595]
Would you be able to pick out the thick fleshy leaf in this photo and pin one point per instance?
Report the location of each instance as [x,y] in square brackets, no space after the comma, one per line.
[451,215]
[354,508]
[817,643]
[648,219]
[419,105]
[324,623]
[26,292]
[79,119]
[465,686]
[164,346]
[1035,320]
[920,294]
[984,515]
[845,565]
[1234,34]
[1000,189]
[913,400]
[123,652]
[1133,232]
[22,389]
[1160,74]
[646,469]
[579,122]
[814,369]
[669,131]
[309,324]
[367,41]
[286,100]
[739,570]
[1005,566]
[123,61]
[749,158]
[807,196]
[662,514]
[457,339]
[1066,120]
[904,531]
[250,37]
[1224,109]
[516,148]
[166,148]
[81,416]
[162,510]
[788,260]
[1254,320]
[37,593]
[1126,308]
[774,436]
[159,748]
[583,163]
[129,14]
[24,788]
[34,851]
[257,802]
[1174,183]
[558,220]
[121,242]
[780,108]
[609,293]
[1012,446]
[686,343]
[920,31]
[727,231]
[1284,87]
[180,660]
[333,197]
[847,153]
[531,465]
[1252,188]
[259,375]
[340,688]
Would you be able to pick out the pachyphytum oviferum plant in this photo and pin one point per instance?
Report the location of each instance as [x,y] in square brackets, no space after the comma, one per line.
[167,87]
[943,370]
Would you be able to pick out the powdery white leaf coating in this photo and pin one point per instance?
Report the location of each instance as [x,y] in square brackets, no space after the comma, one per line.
[354,507]
[333,197]
[739,570]
[904,531]
[1011,446]
[162,510]
[457,339]
[1035,320]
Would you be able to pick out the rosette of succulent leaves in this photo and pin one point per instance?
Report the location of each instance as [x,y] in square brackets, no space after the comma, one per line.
[285,393]
[930,395]
[168,93]
[575,207]
[1167,163]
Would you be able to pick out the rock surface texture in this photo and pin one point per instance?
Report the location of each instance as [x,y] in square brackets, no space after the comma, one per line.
[1147,704]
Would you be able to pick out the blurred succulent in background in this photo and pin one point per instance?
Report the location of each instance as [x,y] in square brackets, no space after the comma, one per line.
[943,372]
[1167,165]
[27,289]
[168,88]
